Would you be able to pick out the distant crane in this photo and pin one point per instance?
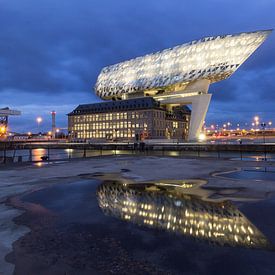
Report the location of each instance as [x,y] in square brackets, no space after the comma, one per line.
[4,115]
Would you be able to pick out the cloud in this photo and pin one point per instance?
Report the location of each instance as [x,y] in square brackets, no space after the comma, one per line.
[52,51]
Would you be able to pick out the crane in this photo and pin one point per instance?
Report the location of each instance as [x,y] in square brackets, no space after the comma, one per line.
[4,115]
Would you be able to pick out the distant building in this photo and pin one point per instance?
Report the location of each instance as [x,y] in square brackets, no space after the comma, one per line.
[128,120]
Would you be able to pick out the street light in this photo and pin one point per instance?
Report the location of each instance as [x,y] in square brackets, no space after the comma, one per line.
[256,119]
[202,137]
[263,126]
[39,120]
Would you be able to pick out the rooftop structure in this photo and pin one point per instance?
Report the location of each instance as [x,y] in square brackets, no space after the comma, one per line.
[111,106]
[180,75]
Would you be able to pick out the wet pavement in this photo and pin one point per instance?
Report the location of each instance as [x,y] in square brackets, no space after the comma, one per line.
[106,224]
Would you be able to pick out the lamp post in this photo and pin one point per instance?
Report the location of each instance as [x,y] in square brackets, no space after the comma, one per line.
[263,127]
[256,119]
[38,120]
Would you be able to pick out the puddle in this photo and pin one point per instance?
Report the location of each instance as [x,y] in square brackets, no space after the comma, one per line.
[255,158]
[107,224]
[180,207]
[42,163]
[252,173]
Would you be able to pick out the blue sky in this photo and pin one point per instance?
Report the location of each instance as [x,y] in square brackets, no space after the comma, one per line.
[52,51]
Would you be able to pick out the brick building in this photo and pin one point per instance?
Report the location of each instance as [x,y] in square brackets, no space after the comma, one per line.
[128,120]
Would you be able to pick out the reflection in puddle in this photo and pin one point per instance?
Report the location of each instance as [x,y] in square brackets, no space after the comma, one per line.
[255,158]
[42,164]
[38,153]
[38,164]
[181,207]
[251,173]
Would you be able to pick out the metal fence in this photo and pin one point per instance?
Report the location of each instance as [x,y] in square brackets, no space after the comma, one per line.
[8,156]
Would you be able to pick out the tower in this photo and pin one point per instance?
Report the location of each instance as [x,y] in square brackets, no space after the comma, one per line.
[53,113]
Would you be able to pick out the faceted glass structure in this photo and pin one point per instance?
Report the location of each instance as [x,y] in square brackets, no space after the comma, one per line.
[180,75]
[212,58]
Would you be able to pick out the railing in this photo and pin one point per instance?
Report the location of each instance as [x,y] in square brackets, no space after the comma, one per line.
[48,154]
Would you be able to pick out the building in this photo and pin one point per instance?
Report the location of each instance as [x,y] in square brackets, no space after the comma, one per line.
[181,75]
[127,120]
[175,206]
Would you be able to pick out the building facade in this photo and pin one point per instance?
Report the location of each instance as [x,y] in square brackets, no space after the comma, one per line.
[148,95]
[180,75]
[128,120]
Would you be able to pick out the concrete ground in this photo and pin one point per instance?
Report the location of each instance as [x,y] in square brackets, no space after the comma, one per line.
[15,180]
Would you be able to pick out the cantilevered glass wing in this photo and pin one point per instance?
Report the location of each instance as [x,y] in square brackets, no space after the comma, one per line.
[212,58]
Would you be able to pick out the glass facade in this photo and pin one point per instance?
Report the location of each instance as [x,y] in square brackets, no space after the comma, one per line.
[213,58]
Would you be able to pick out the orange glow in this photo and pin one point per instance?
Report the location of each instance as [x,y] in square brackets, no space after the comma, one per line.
[38,153]
[2,129]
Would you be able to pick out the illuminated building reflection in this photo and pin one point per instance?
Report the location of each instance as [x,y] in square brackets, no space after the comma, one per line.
[180,207]
[38,153]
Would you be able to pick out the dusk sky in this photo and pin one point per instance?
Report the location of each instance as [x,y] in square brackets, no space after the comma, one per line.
[51,52]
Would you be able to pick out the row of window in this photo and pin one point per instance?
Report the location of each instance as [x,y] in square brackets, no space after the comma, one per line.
[126,125]
[109,116]
[96,126]
[111,134]
[106,134]
[117,116]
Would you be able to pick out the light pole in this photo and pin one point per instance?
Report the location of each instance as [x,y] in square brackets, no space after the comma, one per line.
[263,127]
[256,119]
[39,120]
